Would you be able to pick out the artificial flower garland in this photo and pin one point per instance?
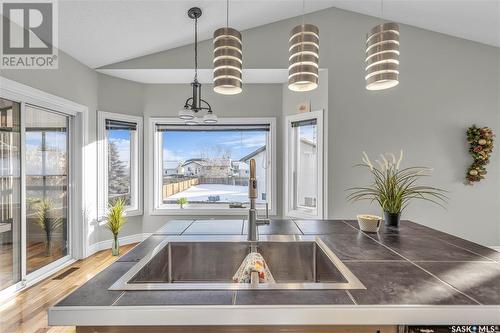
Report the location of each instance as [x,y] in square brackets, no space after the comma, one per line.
[481,146]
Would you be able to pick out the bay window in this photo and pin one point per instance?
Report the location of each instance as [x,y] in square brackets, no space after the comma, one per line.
[205,168]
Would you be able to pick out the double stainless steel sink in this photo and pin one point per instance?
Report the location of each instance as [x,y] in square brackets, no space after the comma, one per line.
[209,263]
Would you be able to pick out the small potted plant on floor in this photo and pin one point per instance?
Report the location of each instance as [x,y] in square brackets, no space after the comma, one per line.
[394,187]
[182,201]
[47,223]
[115,221]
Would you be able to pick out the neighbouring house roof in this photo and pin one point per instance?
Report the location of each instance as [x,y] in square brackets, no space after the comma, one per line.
[252,154]
[198,161]
[171,164]
[209,162]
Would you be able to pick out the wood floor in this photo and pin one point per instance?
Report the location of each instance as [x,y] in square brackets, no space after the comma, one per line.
[27,311]
[36,258]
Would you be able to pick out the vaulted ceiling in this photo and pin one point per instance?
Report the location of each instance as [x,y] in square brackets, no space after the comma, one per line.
[103,32]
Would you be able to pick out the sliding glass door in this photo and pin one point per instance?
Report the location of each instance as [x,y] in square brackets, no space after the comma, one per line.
[10,193]
[46,187]
[34,182]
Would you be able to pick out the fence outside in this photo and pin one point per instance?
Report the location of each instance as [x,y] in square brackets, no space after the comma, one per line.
[174,188]
[234,181]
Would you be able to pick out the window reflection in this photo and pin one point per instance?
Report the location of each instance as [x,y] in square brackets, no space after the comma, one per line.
[47,164]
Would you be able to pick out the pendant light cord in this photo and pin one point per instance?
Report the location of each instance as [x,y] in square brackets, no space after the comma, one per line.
[382,9]
[227,13]
[196,49]
[303,11]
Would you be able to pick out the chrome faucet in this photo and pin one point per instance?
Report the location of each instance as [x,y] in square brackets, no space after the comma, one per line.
[253,219]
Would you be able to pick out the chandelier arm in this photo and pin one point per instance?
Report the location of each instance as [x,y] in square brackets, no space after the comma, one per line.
[186,104]
[209,107]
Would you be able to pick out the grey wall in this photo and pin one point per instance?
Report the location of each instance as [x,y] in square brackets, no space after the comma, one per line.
[447,84]
[126,97]
[256,100]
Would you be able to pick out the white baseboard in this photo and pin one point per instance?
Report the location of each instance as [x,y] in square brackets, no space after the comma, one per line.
[106,244]
[496,248]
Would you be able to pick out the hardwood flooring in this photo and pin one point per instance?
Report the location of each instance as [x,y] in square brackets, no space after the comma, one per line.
[36,258]
[26,312]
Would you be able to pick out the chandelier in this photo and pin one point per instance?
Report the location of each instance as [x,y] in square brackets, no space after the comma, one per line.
[195,103]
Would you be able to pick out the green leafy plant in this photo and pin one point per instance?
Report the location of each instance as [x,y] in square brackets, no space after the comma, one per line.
[182,201]
[115,221]
[116,216]
[47,222]
[394,188]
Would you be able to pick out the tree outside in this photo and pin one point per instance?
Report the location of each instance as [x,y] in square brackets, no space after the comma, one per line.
[118,176]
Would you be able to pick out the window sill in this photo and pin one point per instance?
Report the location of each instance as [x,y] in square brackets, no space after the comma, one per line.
[303,215]
[128,213]
[135,212]
[206,212]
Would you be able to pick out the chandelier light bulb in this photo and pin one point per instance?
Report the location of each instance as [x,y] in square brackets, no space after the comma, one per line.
[210,118]
[186,114]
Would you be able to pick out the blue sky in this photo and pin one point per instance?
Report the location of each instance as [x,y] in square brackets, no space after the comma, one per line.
[180,146]
[121,138]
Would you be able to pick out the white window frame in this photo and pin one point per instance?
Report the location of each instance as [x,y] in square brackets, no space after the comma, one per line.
[136,163]
[78,217]
[322,179]
[154,144]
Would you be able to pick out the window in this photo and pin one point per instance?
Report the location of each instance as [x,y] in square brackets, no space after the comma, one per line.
[204,168]
[120,161]
[304,166]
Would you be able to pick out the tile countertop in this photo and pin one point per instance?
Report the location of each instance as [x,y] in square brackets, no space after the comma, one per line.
[412,275]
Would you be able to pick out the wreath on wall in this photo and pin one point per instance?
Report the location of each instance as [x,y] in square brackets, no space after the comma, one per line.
[480,147]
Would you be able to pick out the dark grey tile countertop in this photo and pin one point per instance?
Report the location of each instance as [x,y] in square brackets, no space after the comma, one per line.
[412,265]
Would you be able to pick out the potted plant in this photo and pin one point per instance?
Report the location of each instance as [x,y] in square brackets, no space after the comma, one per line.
[115,221]
[182,201]
[47,223]
[394,187]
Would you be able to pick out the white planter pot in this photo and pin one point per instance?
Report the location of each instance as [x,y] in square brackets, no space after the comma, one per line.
[369,223]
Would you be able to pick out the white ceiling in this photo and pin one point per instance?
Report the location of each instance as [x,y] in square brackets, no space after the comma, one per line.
[102,32]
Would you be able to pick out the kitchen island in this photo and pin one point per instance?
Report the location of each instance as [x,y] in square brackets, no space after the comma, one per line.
[413,275]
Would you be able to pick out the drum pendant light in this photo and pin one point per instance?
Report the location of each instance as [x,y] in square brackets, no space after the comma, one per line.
[303,48]
[382,56]
[227,59]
